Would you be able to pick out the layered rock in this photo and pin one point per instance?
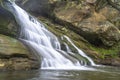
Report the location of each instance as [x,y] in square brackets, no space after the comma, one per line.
[15,56]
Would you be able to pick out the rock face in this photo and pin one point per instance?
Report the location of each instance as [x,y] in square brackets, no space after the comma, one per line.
[15,56]
[8,25]
[37,6]
[96,33]
[97,30]
[94,27]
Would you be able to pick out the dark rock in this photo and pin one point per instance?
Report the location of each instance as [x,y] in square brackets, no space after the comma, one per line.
[38,7]
[8,25]
[110,61]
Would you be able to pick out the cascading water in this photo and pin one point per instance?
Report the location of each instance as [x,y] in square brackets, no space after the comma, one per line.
[44,43]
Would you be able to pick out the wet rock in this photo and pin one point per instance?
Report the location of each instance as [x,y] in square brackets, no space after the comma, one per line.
[36,7]
[8,25]
[110,61]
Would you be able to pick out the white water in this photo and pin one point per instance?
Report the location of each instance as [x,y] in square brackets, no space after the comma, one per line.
[80,51]
[44,43]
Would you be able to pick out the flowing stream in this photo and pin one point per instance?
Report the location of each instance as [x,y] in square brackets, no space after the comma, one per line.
[45,44]
[66,63]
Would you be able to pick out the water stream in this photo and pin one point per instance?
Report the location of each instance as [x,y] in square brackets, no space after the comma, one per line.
[58,63]
[45,44]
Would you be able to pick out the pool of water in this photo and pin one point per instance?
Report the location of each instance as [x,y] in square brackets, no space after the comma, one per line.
[98,73]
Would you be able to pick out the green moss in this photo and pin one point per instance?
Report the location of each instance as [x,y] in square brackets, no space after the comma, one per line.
[4,30]
[7,27]
[107,52]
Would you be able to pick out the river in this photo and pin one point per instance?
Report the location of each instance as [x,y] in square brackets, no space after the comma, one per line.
[99,73]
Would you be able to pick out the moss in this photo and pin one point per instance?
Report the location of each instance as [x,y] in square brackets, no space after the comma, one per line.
[4,30]
[111,52]
[8,26]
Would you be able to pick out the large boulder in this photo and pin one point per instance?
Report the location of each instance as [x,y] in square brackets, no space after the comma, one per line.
[99,31]
[15,56]
[96,27]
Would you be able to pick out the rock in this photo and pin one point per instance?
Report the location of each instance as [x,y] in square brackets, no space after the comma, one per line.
[72,11]
[91,1]
[15,56]
[116,22]
[99,31]
[110,61]
[112,15]
[52,1]
[37,7]
[94,27]
[8,25]
[116,62]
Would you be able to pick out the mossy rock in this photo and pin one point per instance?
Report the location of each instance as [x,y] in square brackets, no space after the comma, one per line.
[8,26]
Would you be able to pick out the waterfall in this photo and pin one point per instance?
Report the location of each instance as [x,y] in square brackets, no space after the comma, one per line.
[41,41]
